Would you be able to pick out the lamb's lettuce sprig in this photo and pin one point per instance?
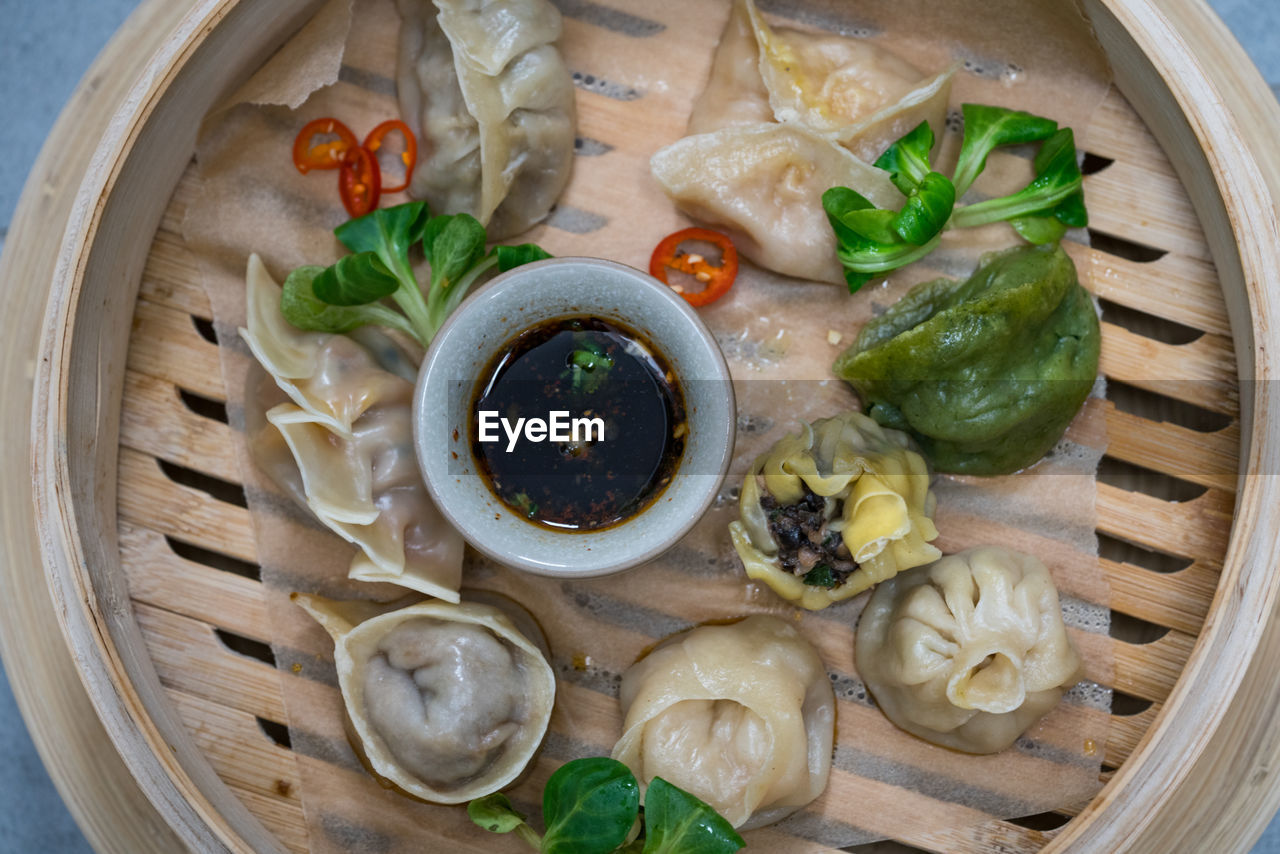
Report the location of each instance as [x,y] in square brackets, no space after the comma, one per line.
[590,806]
[871,241]
[352,292]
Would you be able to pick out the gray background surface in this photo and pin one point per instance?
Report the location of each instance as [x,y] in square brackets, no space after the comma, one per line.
[46,47]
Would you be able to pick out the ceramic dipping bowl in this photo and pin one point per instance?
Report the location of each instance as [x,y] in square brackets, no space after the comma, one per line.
[445,418]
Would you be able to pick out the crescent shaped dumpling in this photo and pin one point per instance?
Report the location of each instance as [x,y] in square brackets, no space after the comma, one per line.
[763,184]
[448,702]
[969,651]
[785,116]
[832,510]
[343,446]
[741,716]
[482,85]
[330,376]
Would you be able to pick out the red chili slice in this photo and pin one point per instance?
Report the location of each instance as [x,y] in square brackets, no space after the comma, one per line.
[716,278]
[359,181]
[308,155]
[409,156]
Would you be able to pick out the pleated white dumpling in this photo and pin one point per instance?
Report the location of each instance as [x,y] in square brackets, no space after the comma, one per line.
[447,702]
[368,490]
[969,651]
[741,715]
[483,86]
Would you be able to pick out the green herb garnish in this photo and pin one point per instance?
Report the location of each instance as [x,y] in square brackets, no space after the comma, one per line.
[350,293]
[871,241]
[526,505]
[590,806]
[821,576]
[589,366]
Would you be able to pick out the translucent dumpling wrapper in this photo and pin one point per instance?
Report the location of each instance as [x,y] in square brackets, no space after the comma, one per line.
[834,509]
[785,116]
[763,184]
[404,539]
[482,85]
[969,651]
[849,90]
[735,93]
[330,376]
[741,716]
[448,702]
[361,482]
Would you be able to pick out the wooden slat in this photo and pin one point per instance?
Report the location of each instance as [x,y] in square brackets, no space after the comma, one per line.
[1196,529]
[171,277]
[1174,287]
[1149,670]
[189,657]
[1209,459]
[1178,600]
[249,762]
[1002,836]
[1144,209]
[149,499]
[161,578]
[167,345]
[1125,732]
[1116,131]
[155,421]
[1201,373]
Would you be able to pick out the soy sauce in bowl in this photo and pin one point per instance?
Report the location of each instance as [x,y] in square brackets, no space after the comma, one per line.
[603,427]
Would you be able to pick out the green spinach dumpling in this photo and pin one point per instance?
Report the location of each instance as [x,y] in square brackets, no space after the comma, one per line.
[984,373]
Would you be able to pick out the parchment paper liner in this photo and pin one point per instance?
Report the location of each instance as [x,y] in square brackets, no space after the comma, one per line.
[637,75]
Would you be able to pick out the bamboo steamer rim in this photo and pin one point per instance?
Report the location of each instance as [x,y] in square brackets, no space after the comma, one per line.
[1136,809]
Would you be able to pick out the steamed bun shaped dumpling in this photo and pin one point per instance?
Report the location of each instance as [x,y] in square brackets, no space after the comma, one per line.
[832,510]
[741,716]
[969,651]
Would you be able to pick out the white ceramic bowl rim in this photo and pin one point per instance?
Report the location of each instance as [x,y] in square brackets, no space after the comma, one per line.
[510,304]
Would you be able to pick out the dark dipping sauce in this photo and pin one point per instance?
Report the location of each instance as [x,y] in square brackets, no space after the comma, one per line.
[591,368]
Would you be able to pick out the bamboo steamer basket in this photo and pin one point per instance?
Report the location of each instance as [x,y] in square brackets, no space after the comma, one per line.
[131,664]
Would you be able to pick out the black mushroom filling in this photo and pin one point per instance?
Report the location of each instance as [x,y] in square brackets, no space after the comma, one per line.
[806,547]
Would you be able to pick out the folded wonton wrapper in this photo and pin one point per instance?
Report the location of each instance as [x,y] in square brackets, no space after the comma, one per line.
[741,716]
[448,702]
[485,90]
[344,448]
[876,496]
[785,116]
[848,90]
[967,652]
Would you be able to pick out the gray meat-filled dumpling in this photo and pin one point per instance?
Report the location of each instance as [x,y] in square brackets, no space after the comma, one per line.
[448,702]
[483,87]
